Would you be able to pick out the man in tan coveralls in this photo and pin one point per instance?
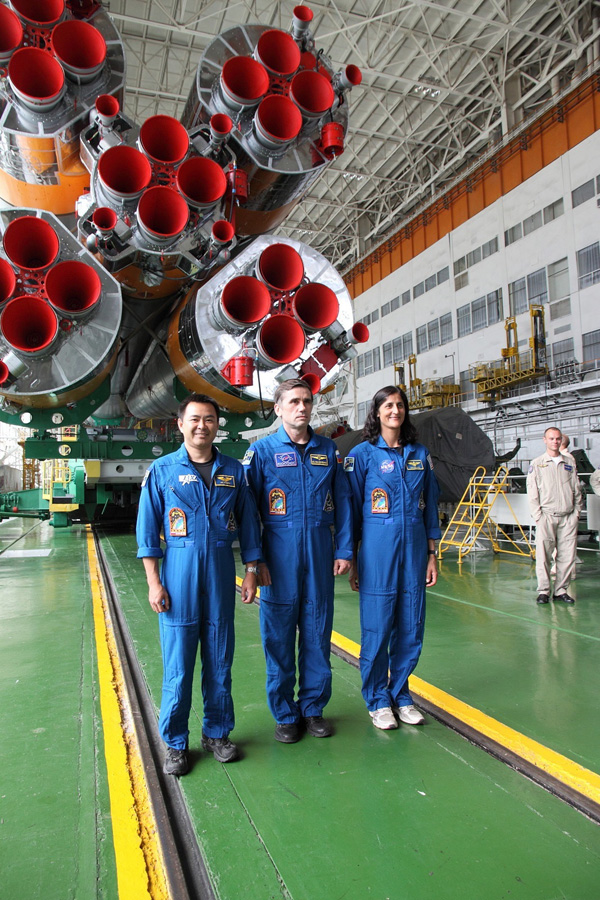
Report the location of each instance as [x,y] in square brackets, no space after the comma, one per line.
[555,501]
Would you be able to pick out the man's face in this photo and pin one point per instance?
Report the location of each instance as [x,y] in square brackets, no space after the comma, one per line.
[295,408]
[199,426]
[552,441]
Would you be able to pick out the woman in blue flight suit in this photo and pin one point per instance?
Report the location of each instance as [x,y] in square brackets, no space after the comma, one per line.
[395,496]
[198,573]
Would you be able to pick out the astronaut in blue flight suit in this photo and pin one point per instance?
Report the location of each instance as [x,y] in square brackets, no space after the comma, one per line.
[395,496]
[303,496]
[198,498]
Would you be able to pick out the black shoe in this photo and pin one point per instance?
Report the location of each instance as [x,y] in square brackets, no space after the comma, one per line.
[542,598]
[223,749]
[287,732]
[563,598]
[176,762]
[318,726]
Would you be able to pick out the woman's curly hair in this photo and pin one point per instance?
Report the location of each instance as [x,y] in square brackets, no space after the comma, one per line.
[372,426]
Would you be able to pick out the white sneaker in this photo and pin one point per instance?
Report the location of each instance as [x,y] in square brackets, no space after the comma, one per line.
[384,718]
[410,715]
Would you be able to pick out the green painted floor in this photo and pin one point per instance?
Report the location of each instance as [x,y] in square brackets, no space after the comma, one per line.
[416,813]
[55,833]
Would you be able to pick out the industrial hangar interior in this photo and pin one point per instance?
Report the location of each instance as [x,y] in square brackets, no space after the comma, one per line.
[395,193]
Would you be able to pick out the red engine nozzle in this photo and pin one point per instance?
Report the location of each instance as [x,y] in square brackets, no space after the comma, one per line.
[80,48]
[277,121]
[313,381]
[202,181]
[164,140]
[244,81]
[312,93]
[8,281]
[316,306]
[30,243]
[280,267]
[29,324]
[37,79]
[244,301]
[73,288]
[11,33]
[162,214]
[279,340]
[278,52]
[125,173]
[40,12]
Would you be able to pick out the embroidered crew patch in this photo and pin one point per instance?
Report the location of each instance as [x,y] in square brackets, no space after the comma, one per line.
[284,460]
[329,505]
[145,478]
[338,457]
[319,459]
[188,479]
[247,457]
[231,523]
[413,465]
[568,468]
[177,522]
[379,501]
[430,461]
[225,481]
[387,466]
[277,504]
[349,464]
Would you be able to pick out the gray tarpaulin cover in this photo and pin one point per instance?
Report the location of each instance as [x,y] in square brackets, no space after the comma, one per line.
[456,444]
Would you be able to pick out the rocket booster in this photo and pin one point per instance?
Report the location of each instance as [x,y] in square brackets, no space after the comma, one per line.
[58,57]
[60,314]
[278,310]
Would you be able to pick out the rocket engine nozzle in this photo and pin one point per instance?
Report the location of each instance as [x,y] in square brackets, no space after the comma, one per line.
[277,122]
[244,301]
[40,12]
[347,78]
[37,79]
[313,381]
[8,281]
[11,33]
[279,340]
[80,48]
[244,82]
[73,288]
[107,109]
[29,325]
[312,93]
[124,172]
[164,140]
[201,181]
[359,333]
[31,243]
[105,220]
[162,214]
[301,19]
[280,267]
[316,306]
[278,52]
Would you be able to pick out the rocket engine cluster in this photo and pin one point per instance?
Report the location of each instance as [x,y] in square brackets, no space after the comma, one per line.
[173,280]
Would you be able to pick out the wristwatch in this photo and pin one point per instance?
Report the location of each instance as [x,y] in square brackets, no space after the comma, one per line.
[432,553]
[253,570]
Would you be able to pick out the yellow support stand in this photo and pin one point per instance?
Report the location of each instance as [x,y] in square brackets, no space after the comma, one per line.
[472,521]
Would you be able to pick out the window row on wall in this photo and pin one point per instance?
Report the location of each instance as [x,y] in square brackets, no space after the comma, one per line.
[547,285]
[461,275]
[585,191]
[561,355]
[533,222]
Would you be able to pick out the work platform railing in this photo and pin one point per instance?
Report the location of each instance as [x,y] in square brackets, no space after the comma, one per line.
[474,519]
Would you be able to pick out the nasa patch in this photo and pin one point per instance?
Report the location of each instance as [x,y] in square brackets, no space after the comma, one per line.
[349,464]
[387,466]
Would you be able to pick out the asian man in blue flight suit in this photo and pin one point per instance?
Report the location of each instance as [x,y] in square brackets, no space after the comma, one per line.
[199,500]
[306,510]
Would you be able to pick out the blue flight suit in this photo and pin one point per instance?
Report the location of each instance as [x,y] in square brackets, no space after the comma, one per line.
[198,571]
[395,495]
[301,500]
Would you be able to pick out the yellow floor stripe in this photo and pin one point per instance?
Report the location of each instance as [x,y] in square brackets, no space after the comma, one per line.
[140,869]
[554,764]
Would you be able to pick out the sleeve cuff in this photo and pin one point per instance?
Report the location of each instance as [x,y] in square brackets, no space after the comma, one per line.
[150,551]
[251,555]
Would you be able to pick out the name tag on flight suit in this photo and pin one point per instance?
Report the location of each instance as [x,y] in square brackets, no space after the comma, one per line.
[225,481]
[412,464]
[318,459]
